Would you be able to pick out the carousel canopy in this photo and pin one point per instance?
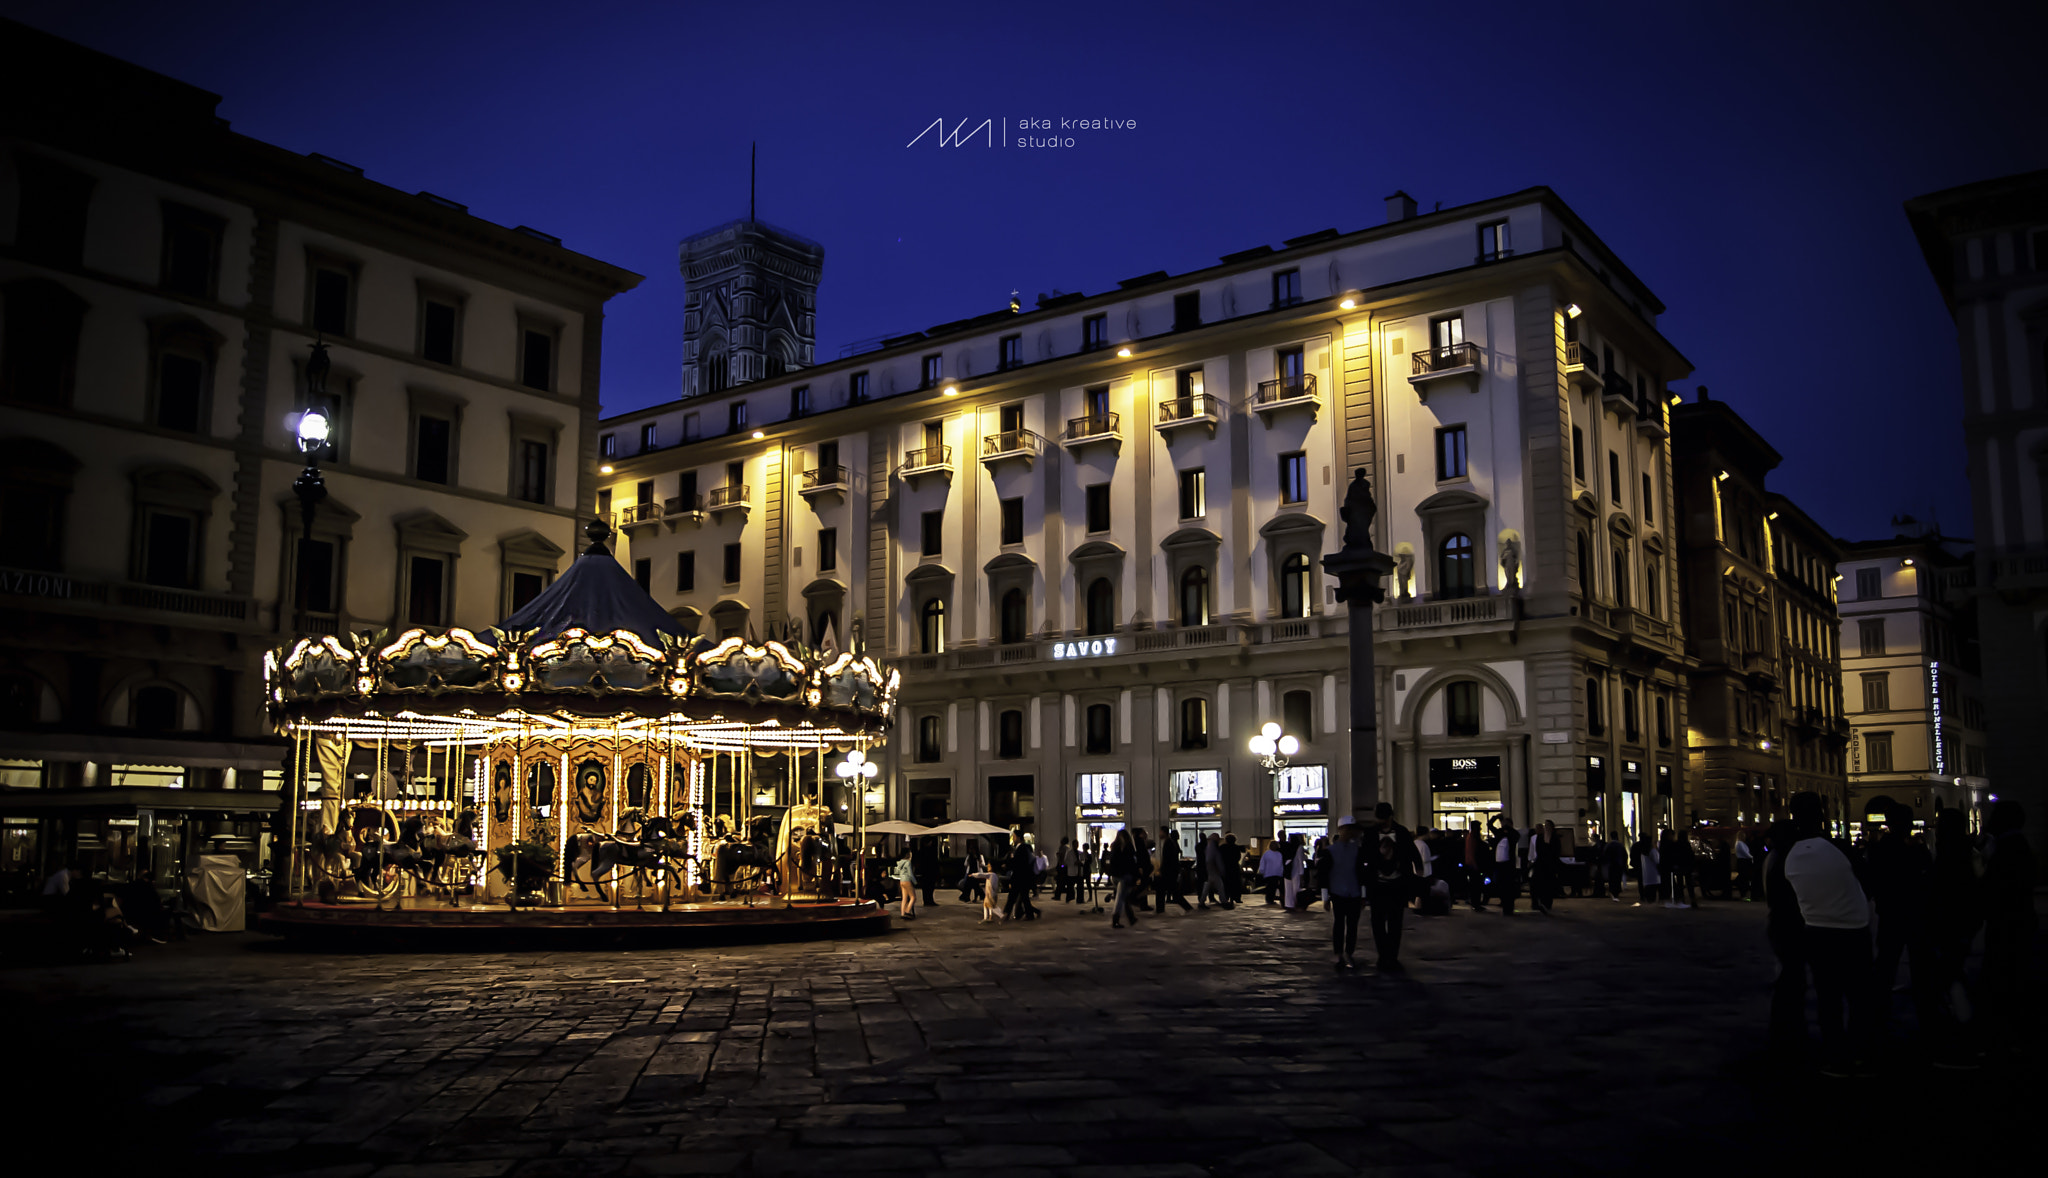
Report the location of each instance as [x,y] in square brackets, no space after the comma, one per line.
[595,595]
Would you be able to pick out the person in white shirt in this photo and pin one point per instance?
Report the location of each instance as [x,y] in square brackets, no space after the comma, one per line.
[1836,937]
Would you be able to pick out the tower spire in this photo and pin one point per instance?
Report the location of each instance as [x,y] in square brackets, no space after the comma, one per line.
[753,151]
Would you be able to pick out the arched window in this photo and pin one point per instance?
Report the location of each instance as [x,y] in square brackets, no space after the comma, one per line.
[928,745]
[1663,723]
[1461,708]
[1653,598]
[1010,735]
[1297,715]
[1014,620]
[717,373]
[1098,739]
[1194,597]
[1631,729]
[1621,575]
[1596,716]
[1294,586]
[1101,606]
[931,626]
[1585,566]
[156,709]
[1454,566]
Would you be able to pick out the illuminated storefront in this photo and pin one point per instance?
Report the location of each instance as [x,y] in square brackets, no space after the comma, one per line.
[1196,808]
[1301,801]
[1463,790]
[1102,809]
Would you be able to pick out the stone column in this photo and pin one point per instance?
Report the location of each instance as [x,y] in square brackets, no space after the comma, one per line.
[1358,569]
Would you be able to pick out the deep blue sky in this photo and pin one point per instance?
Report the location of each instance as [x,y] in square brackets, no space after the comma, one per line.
[1747,161]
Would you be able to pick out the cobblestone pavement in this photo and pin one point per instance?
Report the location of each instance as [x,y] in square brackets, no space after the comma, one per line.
[1604,1039]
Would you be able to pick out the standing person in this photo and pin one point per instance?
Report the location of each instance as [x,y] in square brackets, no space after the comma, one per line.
[1745,866]
[1836,938]
[1543,868]
[1787,934]
[972,868]
[925,861]
[1233,869]
[1506,881]
[1169,872]
[1475,865]
[905,876]
[1318,882]
[1123,873]
[1213,880]
[1425,852]
[2008,919]
[1062,869]
[1901,874]
[1272,869]
[1649,881]
[1954,914]
[1617,868]
[1023,860]
[1296,867]
[1394,872]
[1347,871]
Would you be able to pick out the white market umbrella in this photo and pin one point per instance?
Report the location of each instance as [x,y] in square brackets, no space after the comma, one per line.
[897,826]
[969,826]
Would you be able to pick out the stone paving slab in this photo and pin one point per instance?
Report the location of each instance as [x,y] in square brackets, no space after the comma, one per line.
[1219,1043]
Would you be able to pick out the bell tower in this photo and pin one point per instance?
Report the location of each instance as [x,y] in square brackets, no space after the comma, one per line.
[750,307]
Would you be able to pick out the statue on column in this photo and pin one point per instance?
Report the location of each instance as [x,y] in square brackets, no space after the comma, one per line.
[1358,511]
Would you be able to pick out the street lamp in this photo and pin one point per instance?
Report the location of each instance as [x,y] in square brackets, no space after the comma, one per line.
[856,768]
[314,436]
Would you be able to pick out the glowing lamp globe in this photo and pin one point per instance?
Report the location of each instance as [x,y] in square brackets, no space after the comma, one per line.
[312,430]
[1289,746]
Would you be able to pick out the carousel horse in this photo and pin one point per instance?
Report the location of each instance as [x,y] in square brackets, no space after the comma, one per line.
[652,848]
[750,863]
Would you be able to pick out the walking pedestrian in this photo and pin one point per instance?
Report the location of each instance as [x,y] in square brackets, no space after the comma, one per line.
[1022,861]
[1786,932]
[1506,882]
[1297,869]
[1272,869]
[905,876]
[1347,870]
[1955,911]
[1745,867]
[1233,869]
[1837,936]
[1213,874]
[1475,865]
[1649,881]
[1123,872]
[1062,870]
[973,866]
[1901,874]
[1169,887]
[1617,868]
[1394,872]
[925,861]
[1543,868]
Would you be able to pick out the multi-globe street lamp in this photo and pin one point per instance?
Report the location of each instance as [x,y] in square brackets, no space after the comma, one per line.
[314,433]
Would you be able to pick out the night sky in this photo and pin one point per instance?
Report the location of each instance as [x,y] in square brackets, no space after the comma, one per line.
[1748,162]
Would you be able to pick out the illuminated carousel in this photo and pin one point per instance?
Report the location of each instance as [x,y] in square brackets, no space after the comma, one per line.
[585,763]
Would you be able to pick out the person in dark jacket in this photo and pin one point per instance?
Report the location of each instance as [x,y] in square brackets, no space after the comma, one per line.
[1901,873]
[1344,865]
[1543,868]
[2009,874]
[1023,863]
[1123,872]
[1786,931]
[1393,873]
[1617,867]
[1168,886]
[1233,870]
[1955,911]
[1506,875]
[925,862]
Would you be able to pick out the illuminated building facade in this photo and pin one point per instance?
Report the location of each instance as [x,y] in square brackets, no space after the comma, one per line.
[1089,531]
[162,280]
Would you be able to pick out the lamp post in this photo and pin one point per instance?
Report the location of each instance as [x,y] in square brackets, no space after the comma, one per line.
[1358,568]
[1274,749]
[313,435]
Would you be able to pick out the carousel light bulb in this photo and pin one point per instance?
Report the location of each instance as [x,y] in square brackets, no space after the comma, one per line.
[1289,746]
[1271,731]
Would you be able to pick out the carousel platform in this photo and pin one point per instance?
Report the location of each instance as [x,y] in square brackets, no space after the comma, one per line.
[422,924]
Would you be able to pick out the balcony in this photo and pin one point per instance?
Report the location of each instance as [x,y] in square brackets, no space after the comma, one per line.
[1487,612]
[1095,429]
[823,480]
[1446,367]
[639,515]
[1580,368]
[1635,625]
[1292,392]
[925,463]
[677,508]
[1619,396]
[728,498]
[1653,418]
[1195,409]
[1020,444]
[61,593]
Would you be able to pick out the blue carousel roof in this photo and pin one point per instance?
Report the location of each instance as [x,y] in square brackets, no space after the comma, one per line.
[595,595]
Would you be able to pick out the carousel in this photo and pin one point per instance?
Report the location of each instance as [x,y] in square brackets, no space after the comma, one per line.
[585,763]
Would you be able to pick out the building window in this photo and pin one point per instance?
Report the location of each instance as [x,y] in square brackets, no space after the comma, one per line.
[932,533]
[929,370]
[1101,606]
[332,298]
[1663,723]
[1295,583]
[800,401]
[1094,332]
[1446,332]
[1870,632]
[931,627]
[1454,566]
[650,436]
[1286,288]
[1493,241]
[1596,716]
[1649,503]
[1653,595]
[191,253]
[526,587]
[1297,715]
[1294,477]
[316,584]
[155,709]
[929,746]
[608,446]
[857,388]
[183,358]
[533,470]
[50,213]
[1009,734]
[1013,520]
[1194,597]
[1586,577]
[1868,586]
[1461,708]
[732,564]
[1187,386]
[1877,748]
[1097,739]
[426,590]
[1187,310]
[1194,722]
[1631,729]
[1621,578]
[643,574]
[1450,453]
[1009,353]
[1579,454]
[1614,476]
[537,359]
[717,366]
[1097,504]
[1194,495]
[432,443]
[39,341]
[686,572]
[169,542]
[1014,622]
[828,549]
[735,417]
[437,331]
[1877,692]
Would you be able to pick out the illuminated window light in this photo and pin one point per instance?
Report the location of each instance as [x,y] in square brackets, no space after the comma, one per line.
[758,435]
[605,469]
[1124,353]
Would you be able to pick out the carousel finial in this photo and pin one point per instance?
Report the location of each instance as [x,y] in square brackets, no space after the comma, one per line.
[599,532]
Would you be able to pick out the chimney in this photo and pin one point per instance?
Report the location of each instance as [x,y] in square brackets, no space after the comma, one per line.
[1701,392]
[1400,207]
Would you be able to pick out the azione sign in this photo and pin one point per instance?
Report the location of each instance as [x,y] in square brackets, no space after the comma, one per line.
[1084,649]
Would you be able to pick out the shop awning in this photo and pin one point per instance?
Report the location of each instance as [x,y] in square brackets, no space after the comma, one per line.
[143,750]
[119,801]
